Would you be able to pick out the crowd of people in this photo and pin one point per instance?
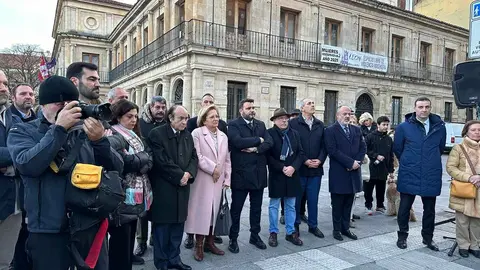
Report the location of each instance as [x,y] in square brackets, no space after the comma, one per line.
[173,171]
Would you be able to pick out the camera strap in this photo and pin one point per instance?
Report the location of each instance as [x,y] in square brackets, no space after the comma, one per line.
[68,163]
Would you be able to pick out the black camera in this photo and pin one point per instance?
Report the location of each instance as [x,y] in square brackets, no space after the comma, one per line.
[97,111]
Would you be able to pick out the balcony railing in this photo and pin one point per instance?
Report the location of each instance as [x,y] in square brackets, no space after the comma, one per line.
[206,34]
[104,75]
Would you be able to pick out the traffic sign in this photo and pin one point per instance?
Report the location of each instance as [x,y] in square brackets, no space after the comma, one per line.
[474,40]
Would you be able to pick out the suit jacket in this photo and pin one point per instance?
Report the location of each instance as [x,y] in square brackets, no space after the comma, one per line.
[343,152]
[172,156]
[249,170]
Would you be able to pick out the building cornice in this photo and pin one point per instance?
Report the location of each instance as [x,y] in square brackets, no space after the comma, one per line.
[431,22]
[131,16]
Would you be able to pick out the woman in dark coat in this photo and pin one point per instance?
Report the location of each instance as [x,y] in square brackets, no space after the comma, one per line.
[126,140]
[284,160]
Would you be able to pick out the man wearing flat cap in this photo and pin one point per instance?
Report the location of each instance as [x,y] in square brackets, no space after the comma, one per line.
[36,147]
[284,160]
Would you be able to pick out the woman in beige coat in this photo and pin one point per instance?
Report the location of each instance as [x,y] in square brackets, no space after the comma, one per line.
[467,210]
[214,170]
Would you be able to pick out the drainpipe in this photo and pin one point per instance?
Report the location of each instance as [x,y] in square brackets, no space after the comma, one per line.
[318,33]
[358,37]
[270,32]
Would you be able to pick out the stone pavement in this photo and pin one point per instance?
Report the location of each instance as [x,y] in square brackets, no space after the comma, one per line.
[375,249]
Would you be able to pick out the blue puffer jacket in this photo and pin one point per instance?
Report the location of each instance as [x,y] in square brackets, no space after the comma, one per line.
[34,145]
[420,171]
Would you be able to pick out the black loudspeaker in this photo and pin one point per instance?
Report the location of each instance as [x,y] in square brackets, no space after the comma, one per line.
[466,84]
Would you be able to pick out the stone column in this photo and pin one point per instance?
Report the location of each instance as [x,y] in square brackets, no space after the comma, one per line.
[139,37]
[129,46]
[114,57]
[166,90]
[138,95]
[121,48]
[187,90]
[72,53]
[167,16]
[150,91]
[107,66]
[150,27]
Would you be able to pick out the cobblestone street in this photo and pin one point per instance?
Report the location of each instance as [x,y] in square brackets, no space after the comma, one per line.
[375,249]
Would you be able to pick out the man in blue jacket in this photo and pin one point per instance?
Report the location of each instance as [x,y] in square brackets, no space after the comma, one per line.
[34,146]
[418,144]
[10,219]
[311,132]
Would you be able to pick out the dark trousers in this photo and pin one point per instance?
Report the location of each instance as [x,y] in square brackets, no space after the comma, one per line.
[238,199]
[428,220]
[83,242]
[166,244]
[341,208]
[142,230]
[121,244]
[379,186]
[20,259]
[303,204]
[49,251]
[310,186]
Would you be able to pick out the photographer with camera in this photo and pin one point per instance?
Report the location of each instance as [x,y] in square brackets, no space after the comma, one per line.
[39,149]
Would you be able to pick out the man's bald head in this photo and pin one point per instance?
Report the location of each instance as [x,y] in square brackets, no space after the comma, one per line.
[343,115]
[4,93]
[177,116]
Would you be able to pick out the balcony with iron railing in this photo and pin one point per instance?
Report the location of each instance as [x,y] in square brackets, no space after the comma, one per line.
[196,34]
[104,75]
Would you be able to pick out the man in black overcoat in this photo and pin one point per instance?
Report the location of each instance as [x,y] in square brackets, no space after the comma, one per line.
[346,148]
[175,167]
[249,141]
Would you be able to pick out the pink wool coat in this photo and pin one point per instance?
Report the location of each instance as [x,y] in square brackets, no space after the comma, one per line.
[205,195]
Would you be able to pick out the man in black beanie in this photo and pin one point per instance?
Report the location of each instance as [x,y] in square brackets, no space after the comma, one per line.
[36,147]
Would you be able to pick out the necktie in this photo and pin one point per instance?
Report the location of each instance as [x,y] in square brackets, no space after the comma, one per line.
[250,125]
[347,132]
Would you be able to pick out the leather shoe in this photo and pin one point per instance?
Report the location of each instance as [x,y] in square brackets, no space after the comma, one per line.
[218,240]
[463,253]
[282,219]
[189,241]
[402,243]
[355,216]
[137,260]
[315,231]
[475,253]
[337,235]
[256,241]
[350,235]
[140,250]
[431,245]
[304,218]
[272,240]
[180,266]
[233,246]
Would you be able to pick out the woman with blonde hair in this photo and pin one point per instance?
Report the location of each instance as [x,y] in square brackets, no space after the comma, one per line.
[463,166]
[367,125]
[213,175]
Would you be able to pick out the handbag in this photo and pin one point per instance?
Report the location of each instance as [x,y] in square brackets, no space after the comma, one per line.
[224,220]
[465,190]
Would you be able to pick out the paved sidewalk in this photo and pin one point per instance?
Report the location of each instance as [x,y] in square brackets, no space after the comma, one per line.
[375,249]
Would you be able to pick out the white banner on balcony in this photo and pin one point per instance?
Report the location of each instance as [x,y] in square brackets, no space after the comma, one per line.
[331,54]
[365,61]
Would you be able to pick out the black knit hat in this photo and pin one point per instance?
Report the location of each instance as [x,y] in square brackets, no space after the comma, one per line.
[57,89]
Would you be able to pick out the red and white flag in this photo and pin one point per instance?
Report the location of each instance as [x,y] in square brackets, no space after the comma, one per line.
[43,73]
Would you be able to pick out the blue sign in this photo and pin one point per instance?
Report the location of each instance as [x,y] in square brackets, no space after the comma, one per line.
[476,10]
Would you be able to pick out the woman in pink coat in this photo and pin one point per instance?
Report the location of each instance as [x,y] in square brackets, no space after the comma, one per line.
[213,176]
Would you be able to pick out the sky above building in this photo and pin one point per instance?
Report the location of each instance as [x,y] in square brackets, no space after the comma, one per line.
[30,22]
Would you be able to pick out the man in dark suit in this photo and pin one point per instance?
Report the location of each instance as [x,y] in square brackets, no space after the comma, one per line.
[248,141]
[346,148]
[207,100]
[175,167]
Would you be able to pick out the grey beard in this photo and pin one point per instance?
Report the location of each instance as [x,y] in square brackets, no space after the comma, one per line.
[3,100]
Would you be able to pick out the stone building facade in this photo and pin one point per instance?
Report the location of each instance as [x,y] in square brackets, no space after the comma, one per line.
[366,54]
[81,29]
